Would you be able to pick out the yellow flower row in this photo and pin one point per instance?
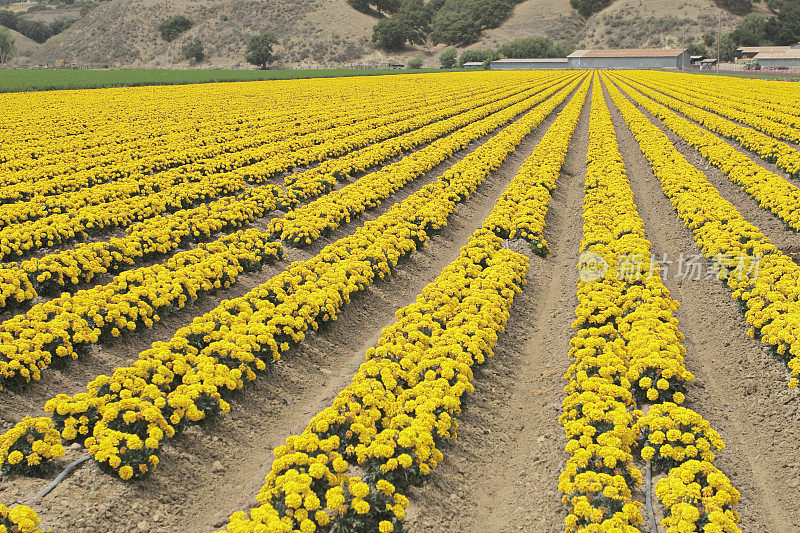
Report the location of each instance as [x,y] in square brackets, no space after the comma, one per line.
[20,239]
[18,519]
[401,404]
[722,106]
[65,326]
[770,190]
[199,139]
[146,239]
[772,100]
[783,155]
[520,211]
[322,216]
[675,437]
[30,446]
[226,347]
[599,476]
[164,233]
[213,156]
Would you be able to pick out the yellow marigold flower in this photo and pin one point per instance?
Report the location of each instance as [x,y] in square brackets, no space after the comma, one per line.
[15,457]
[126,472]
[648,452]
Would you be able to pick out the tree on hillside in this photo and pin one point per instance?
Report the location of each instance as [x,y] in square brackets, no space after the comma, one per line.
[173,26]
[696,49]
[452,27]
[448,57]
[460,22]
[737,7]
[469,56]
[259,50]
[408,25]
[589,7]
[784,28]
[751,31]
[381,6]
[727,49]
[532,47]
[6,45]
[192,49]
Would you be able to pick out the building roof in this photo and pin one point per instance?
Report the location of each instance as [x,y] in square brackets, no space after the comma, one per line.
[630,52]
[758,49]
[789,53]
[473,64]
[533,60]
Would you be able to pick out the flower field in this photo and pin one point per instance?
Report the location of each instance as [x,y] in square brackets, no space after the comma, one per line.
[480,301]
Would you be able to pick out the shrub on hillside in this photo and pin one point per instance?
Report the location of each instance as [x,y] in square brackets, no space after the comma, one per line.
[173,26]
[414,63]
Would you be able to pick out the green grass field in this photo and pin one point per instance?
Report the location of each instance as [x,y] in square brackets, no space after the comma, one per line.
[17,80]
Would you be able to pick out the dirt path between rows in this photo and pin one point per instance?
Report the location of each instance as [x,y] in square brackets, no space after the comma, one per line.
[739,387]
[217,469]
[501,473]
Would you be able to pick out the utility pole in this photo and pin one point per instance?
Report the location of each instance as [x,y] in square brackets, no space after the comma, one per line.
[719,37]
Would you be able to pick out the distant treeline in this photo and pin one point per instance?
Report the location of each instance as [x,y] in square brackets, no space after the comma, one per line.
[453,22]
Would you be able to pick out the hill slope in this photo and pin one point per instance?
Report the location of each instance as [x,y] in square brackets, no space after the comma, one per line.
[331,33]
